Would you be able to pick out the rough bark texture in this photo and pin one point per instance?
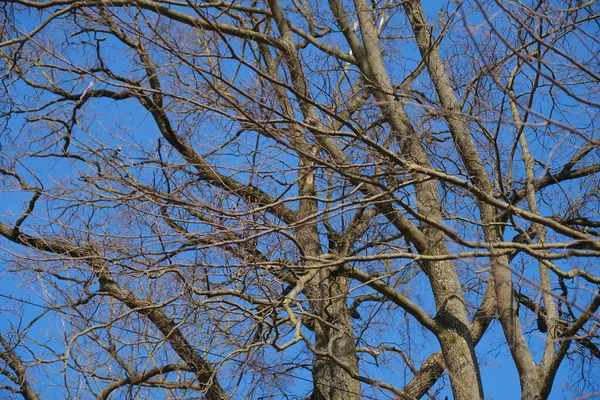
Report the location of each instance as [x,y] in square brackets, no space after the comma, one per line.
[20,372]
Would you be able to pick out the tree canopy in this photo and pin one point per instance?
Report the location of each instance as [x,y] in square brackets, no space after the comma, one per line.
[298,199]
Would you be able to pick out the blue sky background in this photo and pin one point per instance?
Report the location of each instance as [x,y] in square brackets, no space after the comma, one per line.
[499,376]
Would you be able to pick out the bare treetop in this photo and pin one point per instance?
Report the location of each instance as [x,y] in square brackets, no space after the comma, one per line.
[298,199]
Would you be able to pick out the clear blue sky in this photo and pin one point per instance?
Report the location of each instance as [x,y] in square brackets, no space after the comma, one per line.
[500,379]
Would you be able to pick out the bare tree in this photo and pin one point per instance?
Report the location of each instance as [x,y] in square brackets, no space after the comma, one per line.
[297,199]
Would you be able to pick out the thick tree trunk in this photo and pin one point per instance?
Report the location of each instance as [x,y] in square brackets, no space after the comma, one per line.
[334,337]
[455,336]
[335,352]
[335,359]
[455,339]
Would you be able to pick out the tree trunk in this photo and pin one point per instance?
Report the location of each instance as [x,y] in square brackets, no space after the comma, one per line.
[334,337]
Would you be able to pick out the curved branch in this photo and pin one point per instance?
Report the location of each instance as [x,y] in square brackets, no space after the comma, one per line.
[20,378]
[200,366]
[140,379]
